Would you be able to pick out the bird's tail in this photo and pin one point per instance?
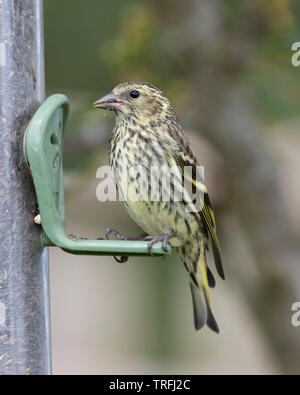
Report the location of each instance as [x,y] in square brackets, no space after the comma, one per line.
[200,283]
[202,310]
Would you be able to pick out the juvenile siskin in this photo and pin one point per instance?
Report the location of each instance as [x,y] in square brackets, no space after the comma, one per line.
[149,137]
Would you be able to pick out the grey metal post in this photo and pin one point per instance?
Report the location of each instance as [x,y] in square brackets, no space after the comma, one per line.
[24,291]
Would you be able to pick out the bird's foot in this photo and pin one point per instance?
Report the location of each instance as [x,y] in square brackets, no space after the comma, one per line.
[155,239]
[121,236]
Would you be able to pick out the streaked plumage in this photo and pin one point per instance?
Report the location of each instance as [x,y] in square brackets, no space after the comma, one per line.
[148,133]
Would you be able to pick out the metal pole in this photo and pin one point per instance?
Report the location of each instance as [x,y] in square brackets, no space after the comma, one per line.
[24,290]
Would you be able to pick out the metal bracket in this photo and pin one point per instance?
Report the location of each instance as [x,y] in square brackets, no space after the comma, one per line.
[44,151]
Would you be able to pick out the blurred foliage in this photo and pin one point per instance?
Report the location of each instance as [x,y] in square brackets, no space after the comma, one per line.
[136,52]
[73,33]
[96,48]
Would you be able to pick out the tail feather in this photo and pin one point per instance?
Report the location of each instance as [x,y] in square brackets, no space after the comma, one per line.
[202,279]
[210,278]
[202,310]
[211,321]
[199,307]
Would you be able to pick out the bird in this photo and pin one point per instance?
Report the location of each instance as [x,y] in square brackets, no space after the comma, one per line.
[148,135]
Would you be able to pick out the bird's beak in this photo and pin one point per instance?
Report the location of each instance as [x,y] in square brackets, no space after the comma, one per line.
[108,102]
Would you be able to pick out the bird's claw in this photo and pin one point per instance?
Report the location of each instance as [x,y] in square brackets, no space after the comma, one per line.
[121,236]
[118,235]
[155,239]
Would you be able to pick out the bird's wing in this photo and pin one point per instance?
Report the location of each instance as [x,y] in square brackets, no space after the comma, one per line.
[183,157]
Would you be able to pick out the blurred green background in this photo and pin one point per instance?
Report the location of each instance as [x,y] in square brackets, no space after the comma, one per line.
[226,67]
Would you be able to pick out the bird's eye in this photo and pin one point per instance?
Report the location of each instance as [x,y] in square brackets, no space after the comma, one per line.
[134,94]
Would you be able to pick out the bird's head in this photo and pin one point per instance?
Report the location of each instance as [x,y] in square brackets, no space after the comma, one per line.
[137,100]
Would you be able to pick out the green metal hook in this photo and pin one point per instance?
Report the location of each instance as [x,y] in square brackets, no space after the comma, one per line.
[44,152]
